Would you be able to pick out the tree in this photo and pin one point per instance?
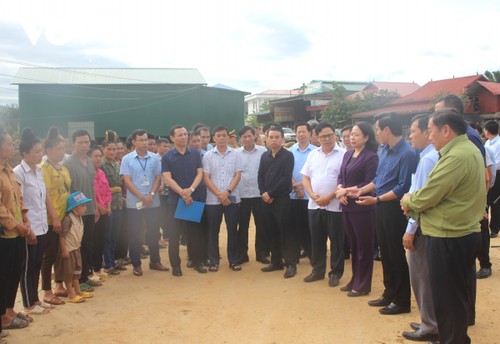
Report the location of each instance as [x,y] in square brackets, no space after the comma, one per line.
[9,119]
[340,109]
[493,76]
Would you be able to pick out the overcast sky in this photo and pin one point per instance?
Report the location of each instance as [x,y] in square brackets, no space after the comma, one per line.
[255,45]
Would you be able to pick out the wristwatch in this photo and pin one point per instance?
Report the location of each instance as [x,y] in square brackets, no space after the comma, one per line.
[152,193]
[229,191]
[192,189]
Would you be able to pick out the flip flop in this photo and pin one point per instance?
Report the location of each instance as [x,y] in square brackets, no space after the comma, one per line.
[37,310]
[61,294]
[93,283]
[24,317]
[55,301]
[86,295]
[15,324]
[76,299]
[46,305]
[86,287]
[4,334]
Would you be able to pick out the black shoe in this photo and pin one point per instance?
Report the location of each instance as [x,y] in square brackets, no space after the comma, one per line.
[190,264]
[415,326]
[380,302]
[346,288]
[243,260]
[376,256]
[264,260]
[393,309]
[176,271]
[420,337]
[483,273]
[493,235]
[201,269]
[272,267]
[291,271]
[313,276]
[354,293]
[157,266]
[333,280]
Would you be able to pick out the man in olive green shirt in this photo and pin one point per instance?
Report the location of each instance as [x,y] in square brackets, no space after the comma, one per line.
[448,209]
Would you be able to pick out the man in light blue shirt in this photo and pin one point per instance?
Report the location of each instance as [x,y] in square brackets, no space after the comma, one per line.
[141,172]
[415,242]
[299,198]
[248,189]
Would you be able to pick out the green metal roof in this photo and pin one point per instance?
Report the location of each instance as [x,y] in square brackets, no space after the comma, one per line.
[108,76]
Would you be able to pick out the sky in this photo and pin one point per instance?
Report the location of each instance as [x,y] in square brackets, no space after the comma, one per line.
[255,45]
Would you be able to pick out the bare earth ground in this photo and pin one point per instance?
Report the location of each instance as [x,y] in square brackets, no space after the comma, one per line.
[238,307]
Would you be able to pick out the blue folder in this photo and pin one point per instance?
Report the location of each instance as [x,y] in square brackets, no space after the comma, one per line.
[191,213]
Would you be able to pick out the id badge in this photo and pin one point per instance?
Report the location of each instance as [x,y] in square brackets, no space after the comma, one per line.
[139,205]
[145,182]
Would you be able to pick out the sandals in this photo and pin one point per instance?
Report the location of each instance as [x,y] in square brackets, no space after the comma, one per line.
[46,305]
[93,283]
[76,299]
[37,310]
[86,287]
[86,295]
[61,294]
[54,301]
[213,268]
[15,324]
[235,267]
[24,317]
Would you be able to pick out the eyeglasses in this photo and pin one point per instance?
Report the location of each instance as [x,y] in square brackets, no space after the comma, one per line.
[326,136]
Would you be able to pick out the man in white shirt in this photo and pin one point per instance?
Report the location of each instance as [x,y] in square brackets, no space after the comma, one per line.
[320,173]
[250,198]
[493,143]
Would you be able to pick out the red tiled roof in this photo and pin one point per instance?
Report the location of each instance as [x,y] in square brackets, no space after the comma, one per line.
[401,88]
[493,87]
[421,100]
[432,89]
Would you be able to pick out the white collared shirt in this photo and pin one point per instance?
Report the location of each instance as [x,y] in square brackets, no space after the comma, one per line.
[34,196]
[248,186]
[323,171]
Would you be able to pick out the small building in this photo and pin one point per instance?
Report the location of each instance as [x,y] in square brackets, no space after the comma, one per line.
[254,102]
[123,99]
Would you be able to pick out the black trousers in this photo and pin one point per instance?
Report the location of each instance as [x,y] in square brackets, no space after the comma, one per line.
[493,194]
[100,229]
[87,246]
[249,206]
[30,276]
[195,238]
[12,253]
[391,226]
[49,259]
[326,225]
[484,251]
[300,224]
[451,260]
[282,240]
[121,250]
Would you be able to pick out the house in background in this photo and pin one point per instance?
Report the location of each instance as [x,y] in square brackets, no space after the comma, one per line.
[482,99]
[401,88]
[123,99]
[254,102]
[307,105]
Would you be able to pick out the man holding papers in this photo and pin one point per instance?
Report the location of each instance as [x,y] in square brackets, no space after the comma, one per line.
[183,172]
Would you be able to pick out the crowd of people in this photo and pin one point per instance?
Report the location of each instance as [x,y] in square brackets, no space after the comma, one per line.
[370,193]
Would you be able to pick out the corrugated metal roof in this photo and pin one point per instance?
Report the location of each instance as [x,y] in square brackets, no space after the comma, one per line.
[108,76]
[493,87]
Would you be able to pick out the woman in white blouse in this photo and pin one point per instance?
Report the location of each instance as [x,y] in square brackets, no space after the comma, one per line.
[29,175]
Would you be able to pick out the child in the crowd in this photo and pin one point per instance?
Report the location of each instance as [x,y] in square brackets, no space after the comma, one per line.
[70,241]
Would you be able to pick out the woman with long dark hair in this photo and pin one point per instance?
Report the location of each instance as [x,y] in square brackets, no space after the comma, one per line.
[58,182]
[358,169]
[14,227]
